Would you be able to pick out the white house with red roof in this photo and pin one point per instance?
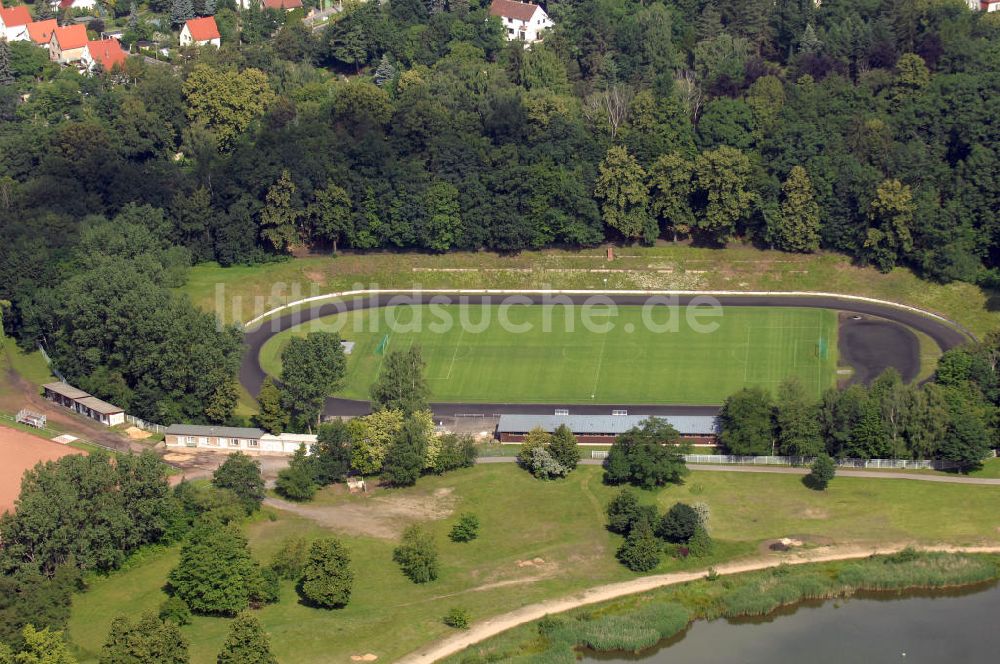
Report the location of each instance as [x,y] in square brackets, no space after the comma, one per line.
[107,53]
[987,5]
[68,43]
[40,32]
[75,4]
[201,31]
[523,21]
[14,23]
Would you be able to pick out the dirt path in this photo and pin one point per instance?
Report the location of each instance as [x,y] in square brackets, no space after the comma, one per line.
[788,470]
[497,624]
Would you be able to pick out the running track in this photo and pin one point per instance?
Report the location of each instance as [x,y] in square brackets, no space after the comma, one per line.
[895,346]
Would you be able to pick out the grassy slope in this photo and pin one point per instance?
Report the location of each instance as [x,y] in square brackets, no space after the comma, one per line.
[247,291]
[562,361]
[522,519]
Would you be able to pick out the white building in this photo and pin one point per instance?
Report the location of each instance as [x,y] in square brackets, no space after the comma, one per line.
[14,23]
[248,440]
[201,31]
[523,21]
[984,5]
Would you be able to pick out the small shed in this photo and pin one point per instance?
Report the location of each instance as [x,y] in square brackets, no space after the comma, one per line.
[83,403]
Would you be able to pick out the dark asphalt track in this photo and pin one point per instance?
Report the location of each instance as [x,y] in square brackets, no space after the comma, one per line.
[868,345]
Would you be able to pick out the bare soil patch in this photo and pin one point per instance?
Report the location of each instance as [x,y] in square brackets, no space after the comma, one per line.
[20,451]
[382,516]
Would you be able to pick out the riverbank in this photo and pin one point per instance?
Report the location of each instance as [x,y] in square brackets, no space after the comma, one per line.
[628,616]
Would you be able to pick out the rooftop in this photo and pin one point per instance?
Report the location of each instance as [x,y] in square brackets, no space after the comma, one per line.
[70,36]
[66,390]
[690,425]
[99,406]
[203,29]
[15,16]
[209,430]
[522,11]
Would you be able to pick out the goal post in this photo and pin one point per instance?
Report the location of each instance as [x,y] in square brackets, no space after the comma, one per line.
[380,349]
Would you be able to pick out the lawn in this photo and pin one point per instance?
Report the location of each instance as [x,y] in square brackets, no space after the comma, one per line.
[523,519]
[239,293]
[558,359]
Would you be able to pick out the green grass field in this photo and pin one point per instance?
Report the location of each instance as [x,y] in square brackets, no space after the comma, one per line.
[522,518]
[561,361]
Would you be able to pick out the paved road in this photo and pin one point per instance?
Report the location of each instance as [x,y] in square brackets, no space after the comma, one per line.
[876,350]
[788,470]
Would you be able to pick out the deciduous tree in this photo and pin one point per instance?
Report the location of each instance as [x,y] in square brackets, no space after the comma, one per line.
[246,643]
[327,578]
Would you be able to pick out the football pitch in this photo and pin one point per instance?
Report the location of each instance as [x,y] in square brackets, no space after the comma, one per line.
[549,354]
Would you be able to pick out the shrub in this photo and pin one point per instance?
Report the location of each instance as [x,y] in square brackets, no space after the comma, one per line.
[823,470]
[633,631]
[241,475]
[455,452]
[700,545]
[622,511]
[291,558]
[457,618]
[544,466]
[641,550]
[327,578]
[466,530]
[417,555]
[296,483]
[176,610]
[679,523]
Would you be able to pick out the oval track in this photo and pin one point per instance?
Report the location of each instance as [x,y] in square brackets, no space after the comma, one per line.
[944,335]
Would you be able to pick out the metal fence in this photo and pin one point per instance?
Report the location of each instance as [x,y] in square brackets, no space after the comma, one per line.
[900,464]
[598,454]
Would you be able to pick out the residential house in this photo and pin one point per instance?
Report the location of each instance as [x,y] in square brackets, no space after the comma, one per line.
[68,43]
[40,32]
[201,31]
[81,402]
[522,21]
[283,5]
[14,23]
[106,53]
[76,4]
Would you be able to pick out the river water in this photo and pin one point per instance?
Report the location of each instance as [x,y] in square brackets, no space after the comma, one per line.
[956,627]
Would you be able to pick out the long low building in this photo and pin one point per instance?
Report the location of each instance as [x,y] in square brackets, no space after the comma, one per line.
[83,403]
[602,429]
[235,439]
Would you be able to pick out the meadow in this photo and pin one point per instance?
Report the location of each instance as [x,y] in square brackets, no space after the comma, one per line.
[523,519]
[557,354]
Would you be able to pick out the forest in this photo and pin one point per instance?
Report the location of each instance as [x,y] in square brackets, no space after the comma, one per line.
[865,127]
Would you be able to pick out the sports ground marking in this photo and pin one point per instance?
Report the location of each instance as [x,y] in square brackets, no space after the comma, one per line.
[454,355]
[600,362]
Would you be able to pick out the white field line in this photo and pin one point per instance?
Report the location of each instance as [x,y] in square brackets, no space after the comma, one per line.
[549,291]
[600,362]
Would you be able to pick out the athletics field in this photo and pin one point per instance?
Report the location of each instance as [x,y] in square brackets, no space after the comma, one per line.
[548,355]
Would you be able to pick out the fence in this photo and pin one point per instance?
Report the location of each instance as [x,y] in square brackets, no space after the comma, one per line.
[144,425]
[900,464]
[598,454]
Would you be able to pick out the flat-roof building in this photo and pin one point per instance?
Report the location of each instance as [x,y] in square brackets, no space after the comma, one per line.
[603,428]
[83,403]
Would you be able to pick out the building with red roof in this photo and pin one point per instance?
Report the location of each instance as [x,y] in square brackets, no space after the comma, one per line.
[68,43]
[283,5]
[201,31]
[524,21]
[106,53]
[40,32]
[14,23]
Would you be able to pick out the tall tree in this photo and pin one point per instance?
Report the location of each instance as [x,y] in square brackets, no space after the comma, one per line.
[670,191]
[312,368]
[745,422]
[401,384]
[648,456]
[798,229]
[6,75]
[443,228]
[624,195]
[181,11]
[42,646]
[246,643]
[890,218]
[721,192]
[216,574]
[330,216]
[406,456]
[279,218]
[796,421]
[331,455]
[148,639]
[417,555]
[327,578]
[564,448]
[271,414]
[240,474]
